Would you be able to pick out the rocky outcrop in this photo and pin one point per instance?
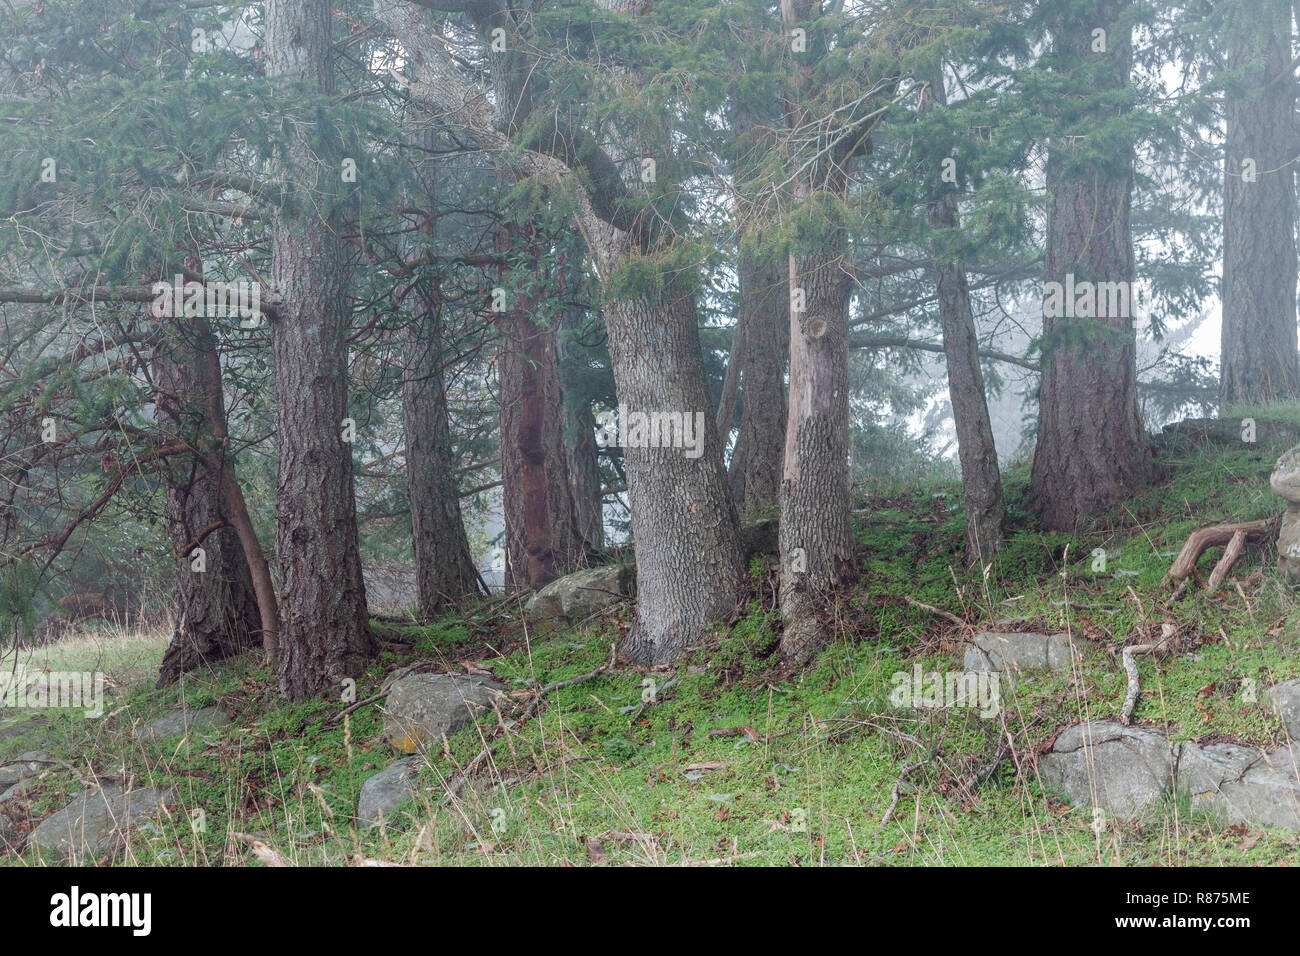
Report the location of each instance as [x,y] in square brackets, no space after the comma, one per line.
[1016,653]
[1124,770]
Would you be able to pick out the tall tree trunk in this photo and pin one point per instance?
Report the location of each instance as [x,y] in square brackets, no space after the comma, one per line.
[324,630]
[816,536]
[981,481]
[216,609]
[542,540]
[1092,450]
[1259,358]
[684,523]
[755,472]
[444,564]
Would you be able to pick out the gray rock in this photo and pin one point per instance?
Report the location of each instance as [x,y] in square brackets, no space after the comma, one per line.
[422,707]
[1104,764]
[8,833]
[1285,480]
[1267,794]
[577,596]
[19,769]
[180,722]
[1288,545]
[382,793]
[1018,652]
[95,822]
[1284,700]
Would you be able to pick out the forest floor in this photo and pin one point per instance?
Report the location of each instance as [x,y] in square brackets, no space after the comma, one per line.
[735,759]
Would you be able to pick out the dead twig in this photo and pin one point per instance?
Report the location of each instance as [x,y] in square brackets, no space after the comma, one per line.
[946,615]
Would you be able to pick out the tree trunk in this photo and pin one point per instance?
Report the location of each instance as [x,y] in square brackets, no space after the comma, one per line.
[1092,450]
[324,631]
[1259,360]
[755,473]
[217,612]
[684,523]
[444,565]
[981,481]
[816,536]
[584,474]
[542,541]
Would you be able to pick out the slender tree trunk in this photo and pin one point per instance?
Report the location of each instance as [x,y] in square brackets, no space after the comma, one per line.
[217,612]
[584,474]
[1092,450]
[324,630]
[684,522]
[444,565]
[542,540]
[756,461]
[981,481]
[816,536]
[1259,253]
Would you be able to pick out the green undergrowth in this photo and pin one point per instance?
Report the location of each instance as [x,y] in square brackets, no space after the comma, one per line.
[727,758]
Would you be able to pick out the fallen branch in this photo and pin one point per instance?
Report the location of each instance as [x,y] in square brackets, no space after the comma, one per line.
[1230,555]
[1134,686]
[893,802]
[1204,538]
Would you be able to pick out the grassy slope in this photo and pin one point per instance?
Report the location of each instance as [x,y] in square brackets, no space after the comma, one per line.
[603,775]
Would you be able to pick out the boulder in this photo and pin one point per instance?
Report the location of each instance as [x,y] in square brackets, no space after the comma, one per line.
[1104,764]
[421,708]
[384,792]
[21,767]
[95,823]
[181,722]
[577,596]
[8,833]
[993,651]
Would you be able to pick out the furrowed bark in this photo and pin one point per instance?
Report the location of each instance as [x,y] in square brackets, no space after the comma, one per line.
[324,630]
[217,612]
[444,566]
[1259,360]
[981,480]
[1092,450]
